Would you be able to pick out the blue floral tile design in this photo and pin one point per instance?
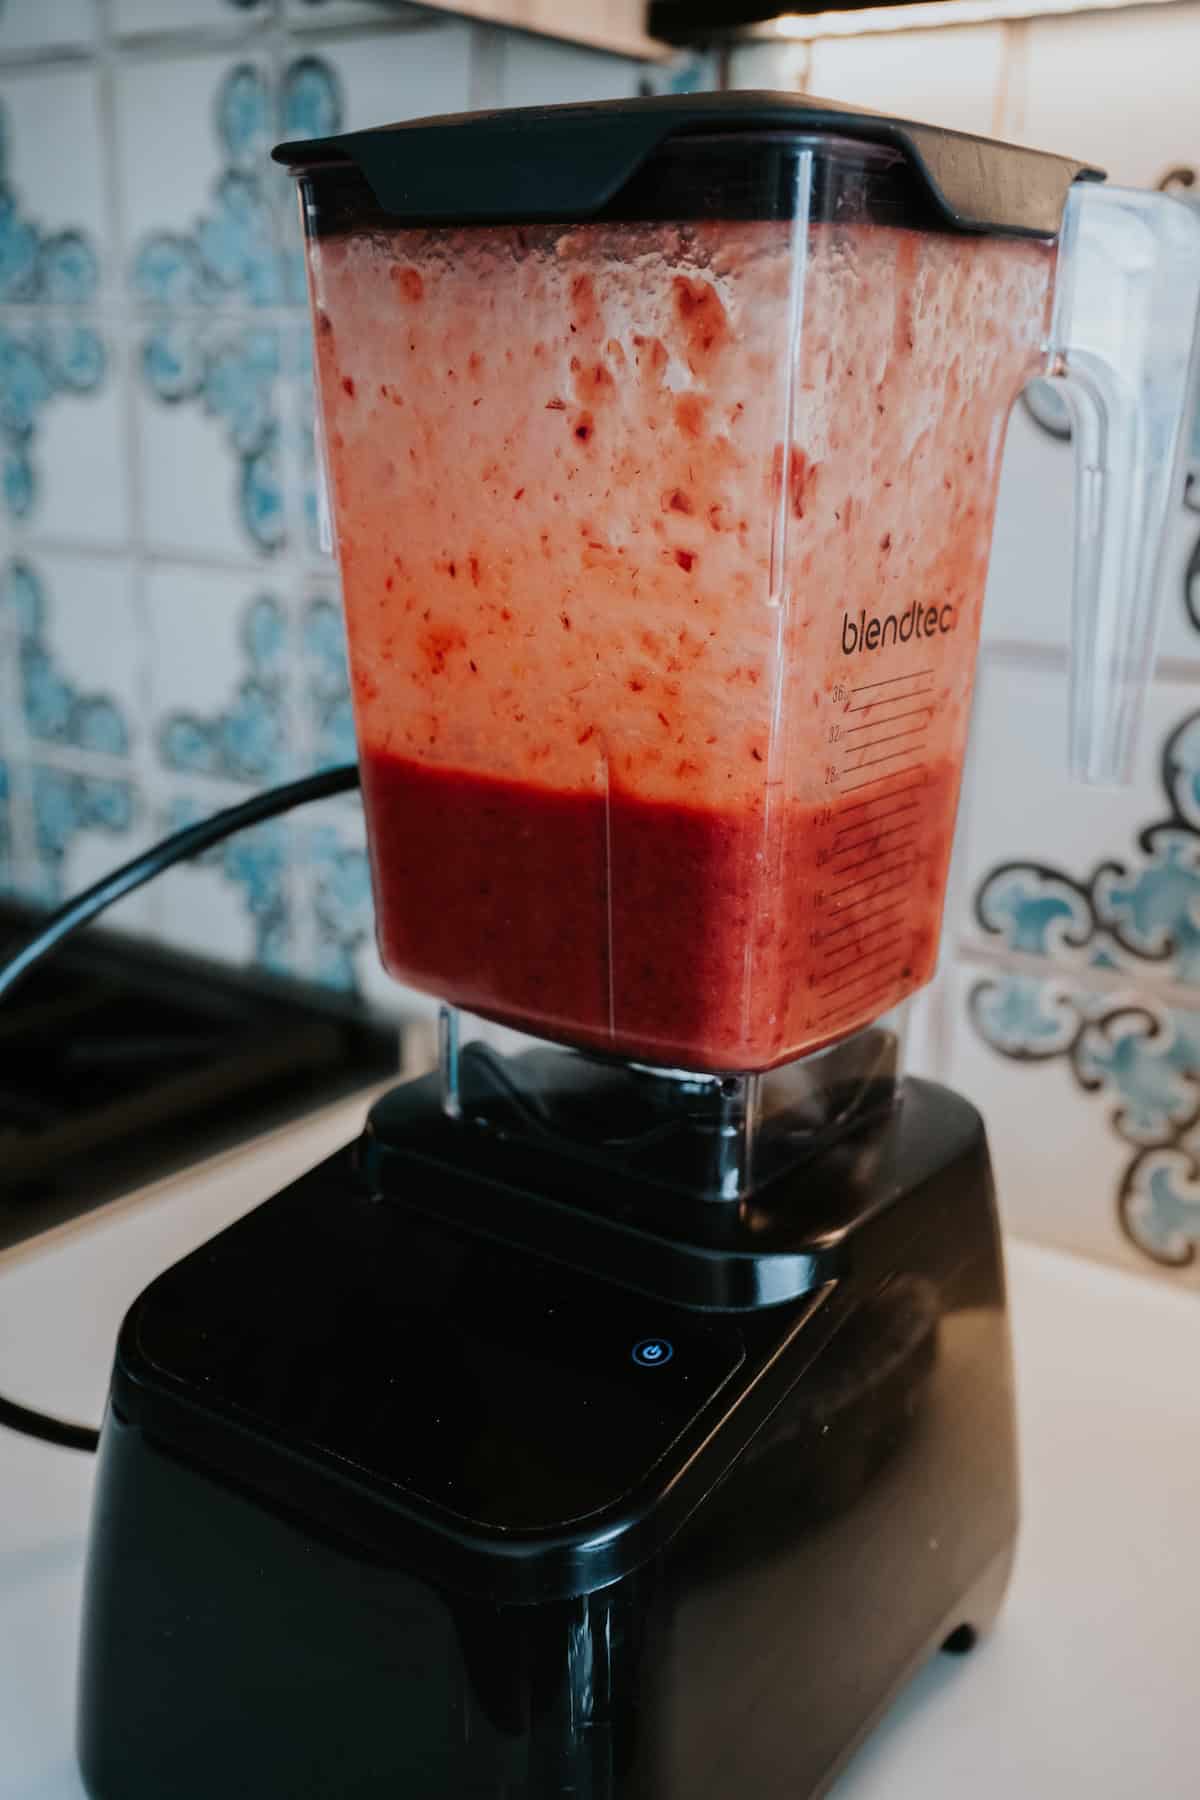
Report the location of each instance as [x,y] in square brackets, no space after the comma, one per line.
[1141,917]
[233,379]
[1160,1204]
[237,251]
[327,685]
[256,863]
[342,907]
[54,709]
[1144,914]
[39,363]
[246,251]
[65,804]
[317,534]
[247,740]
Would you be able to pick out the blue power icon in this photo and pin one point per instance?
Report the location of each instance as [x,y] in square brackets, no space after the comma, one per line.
[652,1353]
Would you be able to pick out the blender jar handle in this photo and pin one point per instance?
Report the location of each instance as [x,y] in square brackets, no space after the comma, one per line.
[1126,295]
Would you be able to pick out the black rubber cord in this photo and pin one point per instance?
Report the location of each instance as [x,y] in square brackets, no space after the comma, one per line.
[54,931]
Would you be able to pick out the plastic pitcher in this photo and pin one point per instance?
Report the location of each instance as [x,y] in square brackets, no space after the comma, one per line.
[663,440]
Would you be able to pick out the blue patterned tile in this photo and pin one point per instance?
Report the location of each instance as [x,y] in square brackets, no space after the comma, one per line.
[326,683]
[53,167]
[1128,912]
[76,650]
[220,675]
[82,825]
[235,901]
[1112,1062]
[1134,1063]
[226,234]
[687,72]
[343,915]
[41,361]
[306,475]
[209,438]
[383,75]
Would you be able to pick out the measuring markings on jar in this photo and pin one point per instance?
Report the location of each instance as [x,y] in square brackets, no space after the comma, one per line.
[892,718]
[855,956]
[879,818]
[818,937]
[875,981]
[857,786]
[892,868]
[867,899]
[894,794]
[861,933]
[866,686]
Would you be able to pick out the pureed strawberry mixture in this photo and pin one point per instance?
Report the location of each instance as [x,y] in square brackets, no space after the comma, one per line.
[661,702]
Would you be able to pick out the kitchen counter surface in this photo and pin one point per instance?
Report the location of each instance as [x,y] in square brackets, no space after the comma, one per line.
[1087,1686]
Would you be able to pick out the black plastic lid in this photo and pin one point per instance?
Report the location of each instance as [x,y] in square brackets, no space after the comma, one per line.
[565,163]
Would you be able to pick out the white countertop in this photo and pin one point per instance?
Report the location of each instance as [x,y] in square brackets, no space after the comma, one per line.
[1087,1687]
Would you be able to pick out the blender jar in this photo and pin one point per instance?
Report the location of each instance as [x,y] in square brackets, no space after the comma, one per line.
[663,527]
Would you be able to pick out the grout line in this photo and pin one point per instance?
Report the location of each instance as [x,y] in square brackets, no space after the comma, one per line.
[46,57]
[972,954]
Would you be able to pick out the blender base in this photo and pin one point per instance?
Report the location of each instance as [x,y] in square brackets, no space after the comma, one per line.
[388,1503]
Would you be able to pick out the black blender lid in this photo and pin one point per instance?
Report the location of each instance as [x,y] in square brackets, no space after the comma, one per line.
[565,163]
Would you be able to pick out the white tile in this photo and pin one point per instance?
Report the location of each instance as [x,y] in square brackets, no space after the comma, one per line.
[208,439]
[385,76]
[1029,576]
[197,187]
[1115,88]
[138,17]
[221,657]
[1063,1155]
[79,650]
[949,77]
[1019,804]
[78,463]
[27,25]
[535,71]
[54,164]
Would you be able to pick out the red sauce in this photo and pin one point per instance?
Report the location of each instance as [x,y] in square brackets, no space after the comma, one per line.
[654,930]
[662,694]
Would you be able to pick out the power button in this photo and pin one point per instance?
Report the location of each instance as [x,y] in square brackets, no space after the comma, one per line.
[652,1353]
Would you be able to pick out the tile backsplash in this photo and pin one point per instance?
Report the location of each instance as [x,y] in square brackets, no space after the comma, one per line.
[170,633]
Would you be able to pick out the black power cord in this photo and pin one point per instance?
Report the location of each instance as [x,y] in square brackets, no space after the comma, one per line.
[76,913]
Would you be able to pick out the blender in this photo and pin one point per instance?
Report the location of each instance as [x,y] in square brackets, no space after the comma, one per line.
[629,1412]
